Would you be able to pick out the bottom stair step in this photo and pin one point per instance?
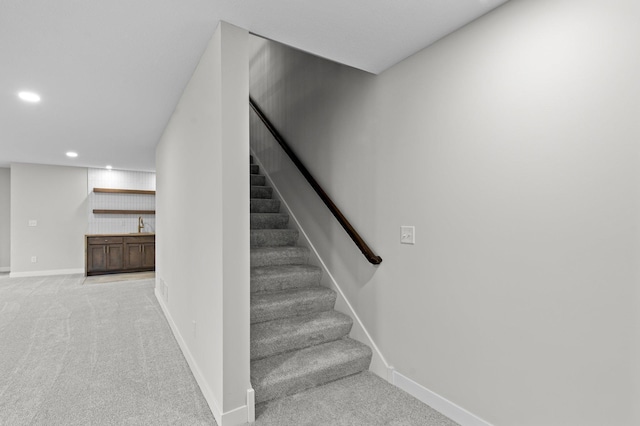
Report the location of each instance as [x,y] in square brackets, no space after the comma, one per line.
[292,372]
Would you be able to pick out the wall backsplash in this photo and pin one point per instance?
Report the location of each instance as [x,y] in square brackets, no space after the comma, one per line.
[120,179]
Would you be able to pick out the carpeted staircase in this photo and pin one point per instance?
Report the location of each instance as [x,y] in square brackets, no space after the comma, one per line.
[298,341]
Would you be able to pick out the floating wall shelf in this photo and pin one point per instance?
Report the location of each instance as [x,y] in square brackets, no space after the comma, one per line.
[103,211]
[124,191]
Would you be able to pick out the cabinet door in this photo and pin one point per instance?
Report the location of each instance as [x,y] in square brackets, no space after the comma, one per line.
[149,255]
[97,258]
[133,256]
[104,254]
[115,255]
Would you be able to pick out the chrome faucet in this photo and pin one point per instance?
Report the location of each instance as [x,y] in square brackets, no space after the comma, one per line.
[140,224]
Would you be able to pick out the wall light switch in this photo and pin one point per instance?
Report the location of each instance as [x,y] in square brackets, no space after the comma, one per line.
[33,222]
[34,259]
[407,235]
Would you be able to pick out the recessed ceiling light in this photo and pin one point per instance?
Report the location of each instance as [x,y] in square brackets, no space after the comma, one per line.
[109,167]
[72,154]
[29,96]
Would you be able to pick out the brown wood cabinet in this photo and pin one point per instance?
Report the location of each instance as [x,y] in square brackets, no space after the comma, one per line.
[108,254]
[139,252]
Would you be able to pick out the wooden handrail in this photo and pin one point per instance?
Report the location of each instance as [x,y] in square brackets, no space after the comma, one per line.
[364,248]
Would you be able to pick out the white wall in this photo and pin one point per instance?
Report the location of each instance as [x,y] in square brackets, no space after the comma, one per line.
[203,224]
[5,219]
[55,197]
[512,146]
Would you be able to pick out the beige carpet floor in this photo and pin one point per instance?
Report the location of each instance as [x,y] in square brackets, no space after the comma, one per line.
[363,399]
[74,354]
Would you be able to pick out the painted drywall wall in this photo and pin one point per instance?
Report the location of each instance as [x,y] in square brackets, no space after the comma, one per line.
[203,223]
[55,197]
[512,146]
[5,219]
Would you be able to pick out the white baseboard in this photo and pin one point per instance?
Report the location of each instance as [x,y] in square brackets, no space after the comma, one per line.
[46,273]
[251,405]
[437,402]
[235,417]
[379,365]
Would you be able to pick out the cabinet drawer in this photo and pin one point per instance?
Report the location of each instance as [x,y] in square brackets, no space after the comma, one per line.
[140,240]
[104,240]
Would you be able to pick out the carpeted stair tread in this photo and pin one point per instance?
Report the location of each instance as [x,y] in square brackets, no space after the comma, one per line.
[274,256]
[284,277]
[261,191]
[272,305]
[262,205]
[273,237]
[292,372]
[269,220]
[258,180]
[288,334]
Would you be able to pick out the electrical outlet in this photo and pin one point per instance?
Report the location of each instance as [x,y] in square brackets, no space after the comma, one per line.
[33,222]
[34,259]
[407,235]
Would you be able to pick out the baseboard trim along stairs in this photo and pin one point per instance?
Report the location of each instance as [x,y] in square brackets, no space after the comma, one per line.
[437,402]
[298,340]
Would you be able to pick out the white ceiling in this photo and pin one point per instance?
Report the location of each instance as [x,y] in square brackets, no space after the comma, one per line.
[111,72]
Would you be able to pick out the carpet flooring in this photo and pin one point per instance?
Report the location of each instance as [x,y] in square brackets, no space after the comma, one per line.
[74,354]
[363,399]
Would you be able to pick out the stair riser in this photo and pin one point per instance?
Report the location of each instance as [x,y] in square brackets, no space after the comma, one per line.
[254,169]
[273,237]
[261,312]
[258,180]
[264,206]
[289,385]
[285,342]
[261,192]
[284,282]
[274,258]
[269,221]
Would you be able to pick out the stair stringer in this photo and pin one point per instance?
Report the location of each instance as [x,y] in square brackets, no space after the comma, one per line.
[379,364]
